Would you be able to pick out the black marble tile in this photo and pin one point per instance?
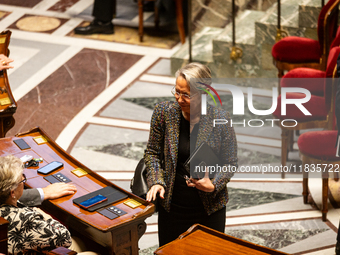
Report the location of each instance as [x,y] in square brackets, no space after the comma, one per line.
[243,198]
[148,251]
[127,150]
[274,238]
[249,157]
[136,151]
[148,102]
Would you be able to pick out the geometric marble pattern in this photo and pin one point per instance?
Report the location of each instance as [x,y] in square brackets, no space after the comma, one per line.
[243,198]
[274,239]
[135,151]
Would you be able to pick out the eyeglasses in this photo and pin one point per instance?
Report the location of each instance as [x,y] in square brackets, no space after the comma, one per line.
[178,95]
[24,180]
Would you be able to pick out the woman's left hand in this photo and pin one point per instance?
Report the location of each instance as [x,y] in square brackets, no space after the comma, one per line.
[203,184]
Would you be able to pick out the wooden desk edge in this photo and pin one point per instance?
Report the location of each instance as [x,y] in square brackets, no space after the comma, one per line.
[196,227]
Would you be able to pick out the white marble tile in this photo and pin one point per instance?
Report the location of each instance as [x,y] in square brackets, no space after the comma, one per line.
[45,71]
[119,123]
[45,5]
[127,110]
[159,79]
[288,205]
[305,224]
[161,68]
[249,139]
[11,18]
[99,161]
[148,240]
[21,55]
[67,27]
[327,251]
[44,59]
[148,89]
[316,241]
[94,44]
[116,176]
[98,135]
[283,187]
[272,217]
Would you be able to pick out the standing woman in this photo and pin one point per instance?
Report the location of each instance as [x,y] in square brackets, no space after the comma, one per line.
[174,126]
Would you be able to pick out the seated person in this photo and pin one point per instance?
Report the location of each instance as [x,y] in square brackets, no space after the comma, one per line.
[29,228]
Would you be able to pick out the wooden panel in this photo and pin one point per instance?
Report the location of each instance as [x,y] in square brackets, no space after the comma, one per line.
[202,240]
[6,110]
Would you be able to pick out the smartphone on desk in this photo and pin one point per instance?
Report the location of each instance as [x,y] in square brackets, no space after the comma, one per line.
[93,201]
[50,167]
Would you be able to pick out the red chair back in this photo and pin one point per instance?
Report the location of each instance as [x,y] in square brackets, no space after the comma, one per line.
[336,41]
[327,24]
[331,64]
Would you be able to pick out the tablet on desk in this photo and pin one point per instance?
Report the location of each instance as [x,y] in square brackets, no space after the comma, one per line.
[113,195]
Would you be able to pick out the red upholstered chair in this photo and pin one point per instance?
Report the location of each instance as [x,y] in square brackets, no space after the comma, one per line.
[291,79]
[321,108]
[318,147]
[292,51]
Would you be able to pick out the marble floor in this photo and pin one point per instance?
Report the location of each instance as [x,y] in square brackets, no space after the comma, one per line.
[94,95]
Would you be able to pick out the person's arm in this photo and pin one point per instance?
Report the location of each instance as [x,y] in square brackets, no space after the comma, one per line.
[34,197]
[31,197]
[155,172]
[152,155]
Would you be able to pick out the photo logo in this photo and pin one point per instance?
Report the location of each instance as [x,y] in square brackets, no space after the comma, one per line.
[208,92]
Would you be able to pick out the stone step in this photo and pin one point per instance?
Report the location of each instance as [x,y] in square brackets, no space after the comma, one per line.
[202,52]
[201,49]
[245,39]
[309,11]
[266,28]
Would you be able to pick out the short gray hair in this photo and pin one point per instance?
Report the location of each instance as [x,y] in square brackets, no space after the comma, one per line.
[11,169]
[199,72]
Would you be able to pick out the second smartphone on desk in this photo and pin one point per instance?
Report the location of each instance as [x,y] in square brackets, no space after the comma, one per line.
[50,167]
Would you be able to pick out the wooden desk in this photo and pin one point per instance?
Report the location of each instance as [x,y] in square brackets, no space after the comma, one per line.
[203,240]
[6,110]
[118,236]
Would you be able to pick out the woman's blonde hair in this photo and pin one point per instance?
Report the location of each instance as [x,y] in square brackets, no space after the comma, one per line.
[11,169]
[195,74]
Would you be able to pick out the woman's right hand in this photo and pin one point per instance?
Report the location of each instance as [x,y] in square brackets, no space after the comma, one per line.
[152,194]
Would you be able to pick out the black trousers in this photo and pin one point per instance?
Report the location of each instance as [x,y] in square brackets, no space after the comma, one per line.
[104,10]
[171,225]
